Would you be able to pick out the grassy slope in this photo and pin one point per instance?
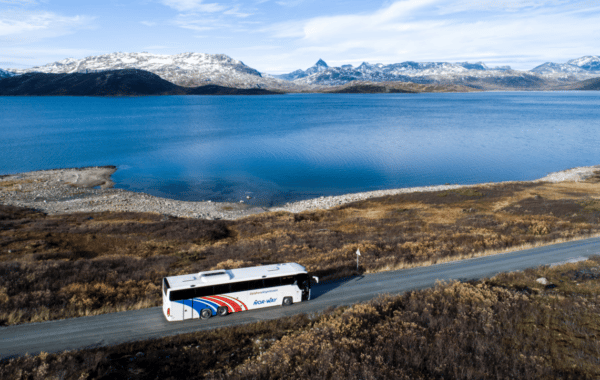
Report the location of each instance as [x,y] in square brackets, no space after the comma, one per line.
[61,266]
[506,327]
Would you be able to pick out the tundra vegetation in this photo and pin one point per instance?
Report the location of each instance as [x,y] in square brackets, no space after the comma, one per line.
[507,327]
[59,266]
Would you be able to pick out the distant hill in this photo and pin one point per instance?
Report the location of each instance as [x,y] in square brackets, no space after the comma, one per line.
[396,87]
[587,85]
[185,69]
[548,76]
[128,82]
[589,64]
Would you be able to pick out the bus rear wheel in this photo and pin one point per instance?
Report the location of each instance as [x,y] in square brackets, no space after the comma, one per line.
[205,314]
[287,301]
[222,311]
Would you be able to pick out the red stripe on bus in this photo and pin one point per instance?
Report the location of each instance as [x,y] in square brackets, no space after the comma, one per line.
[233,307]
[218,302]
[237,300]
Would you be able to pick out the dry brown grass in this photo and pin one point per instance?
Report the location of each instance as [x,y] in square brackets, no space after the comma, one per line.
[507,327]
[45,259]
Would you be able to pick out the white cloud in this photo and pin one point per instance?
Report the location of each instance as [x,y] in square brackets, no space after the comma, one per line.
[194,5]
[31,25]
[235,11]
[195,24]
[19,2]
[426,30]
[193,16]
[289,3]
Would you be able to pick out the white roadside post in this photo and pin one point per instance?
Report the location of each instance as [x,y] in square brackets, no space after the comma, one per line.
[357,254]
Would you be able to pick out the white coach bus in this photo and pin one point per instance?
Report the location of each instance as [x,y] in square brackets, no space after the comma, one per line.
[220,292]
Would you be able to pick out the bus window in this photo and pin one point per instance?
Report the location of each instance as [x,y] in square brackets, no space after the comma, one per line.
[256,284]
[184,294]
[271,282]
[239,286]
[288,280]
[221,289]
[204,291]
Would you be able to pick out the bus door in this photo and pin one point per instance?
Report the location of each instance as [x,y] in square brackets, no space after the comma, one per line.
[188,309]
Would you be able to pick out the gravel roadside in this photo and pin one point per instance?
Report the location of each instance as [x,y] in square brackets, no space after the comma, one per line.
[90,189]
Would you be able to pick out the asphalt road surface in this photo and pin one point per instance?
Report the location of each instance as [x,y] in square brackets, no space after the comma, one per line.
[109,329]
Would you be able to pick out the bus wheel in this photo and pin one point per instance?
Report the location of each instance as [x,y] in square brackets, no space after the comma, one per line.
[222,311]
[287,301]
[205,314]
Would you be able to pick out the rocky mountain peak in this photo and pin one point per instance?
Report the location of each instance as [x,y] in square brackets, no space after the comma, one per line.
[589,62]
[321,63]
[182,69]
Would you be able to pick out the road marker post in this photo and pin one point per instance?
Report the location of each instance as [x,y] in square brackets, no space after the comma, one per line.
[357,254]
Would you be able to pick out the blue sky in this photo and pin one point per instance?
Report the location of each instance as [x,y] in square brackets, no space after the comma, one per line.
[278,36]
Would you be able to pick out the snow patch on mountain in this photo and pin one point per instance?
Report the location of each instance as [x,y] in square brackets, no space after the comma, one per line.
[582,68]
[442,72]
[186,69]
[410,71]
[6,74]
[317,68]
[590,63]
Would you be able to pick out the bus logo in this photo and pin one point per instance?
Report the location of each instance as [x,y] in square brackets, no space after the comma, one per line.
[261,302]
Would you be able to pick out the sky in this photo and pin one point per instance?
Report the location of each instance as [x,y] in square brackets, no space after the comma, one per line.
[280,36]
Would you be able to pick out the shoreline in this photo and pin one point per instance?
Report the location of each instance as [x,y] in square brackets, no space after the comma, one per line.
[90,189]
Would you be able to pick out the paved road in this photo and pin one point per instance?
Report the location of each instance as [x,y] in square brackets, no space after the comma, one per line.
[70,334]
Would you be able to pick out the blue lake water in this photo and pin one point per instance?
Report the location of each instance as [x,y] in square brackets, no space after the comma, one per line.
[290,147]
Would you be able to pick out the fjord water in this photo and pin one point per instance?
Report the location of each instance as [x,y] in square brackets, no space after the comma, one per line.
[283,148]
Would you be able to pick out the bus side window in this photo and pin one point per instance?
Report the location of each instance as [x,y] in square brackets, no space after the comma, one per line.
[271,282]
[288,280]
[256,284]
[183,294]
[204,291]
[239,286]
[221,289]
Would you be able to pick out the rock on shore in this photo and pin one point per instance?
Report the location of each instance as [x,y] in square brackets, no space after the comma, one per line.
[90,189]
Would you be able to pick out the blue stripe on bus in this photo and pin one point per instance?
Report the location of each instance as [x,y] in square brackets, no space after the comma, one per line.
[213,305]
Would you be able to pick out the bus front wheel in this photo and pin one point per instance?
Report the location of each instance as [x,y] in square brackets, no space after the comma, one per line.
[205,314]
[287,301]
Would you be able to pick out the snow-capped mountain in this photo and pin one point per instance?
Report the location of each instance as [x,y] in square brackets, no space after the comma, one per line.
[6,74]
[320,66]
[590,62]
[186,69]
[418,72]
[477,73]
[196,69]
[580,67]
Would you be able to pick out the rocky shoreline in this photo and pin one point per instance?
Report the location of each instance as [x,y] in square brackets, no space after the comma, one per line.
[90,189]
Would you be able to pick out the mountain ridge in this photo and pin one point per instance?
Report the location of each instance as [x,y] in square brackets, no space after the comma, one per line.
[446,72]
[196,69]
[185,69]
[124,82]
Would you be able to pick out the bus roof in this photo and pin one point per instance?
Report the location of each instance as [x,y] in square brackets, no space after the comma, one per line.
[225,276]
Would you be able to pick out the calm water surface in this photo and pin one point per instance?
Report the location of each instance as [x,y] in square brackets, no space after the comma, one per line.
[290,147]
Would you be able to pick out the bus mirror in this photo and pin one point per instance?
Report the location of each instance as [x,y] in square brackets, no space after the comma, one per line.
[316,279]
